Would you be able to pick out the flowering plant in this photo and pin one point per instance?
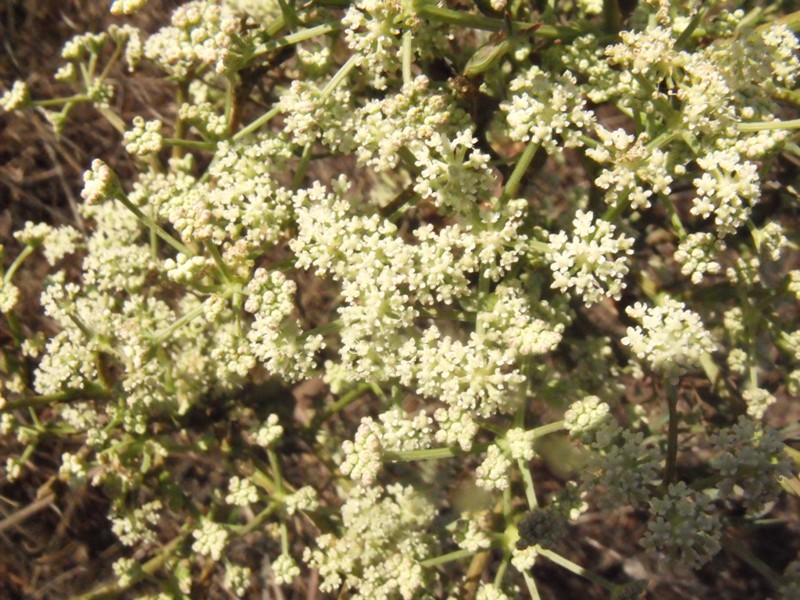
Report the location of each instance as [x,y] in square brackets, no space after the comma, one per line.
[475,233]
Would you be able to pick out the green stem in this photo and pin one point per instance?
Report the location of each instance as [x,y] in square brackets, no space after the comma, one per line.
[257,124]
[26,252]
[92,392]
[148,568]
[737,549]
[530,583]
[527,478]
[462,19]
[408,51]
[112,117]
[302,168]
[446,558]
[257,521]
[340,75]
[433,453]
[686,34]
[769,125]
[195,144]
[670,468]
[575,568]
[674,217]
[340,404]
[214,252]
[612,15]
[160,232]
[548,429]
[48,102]
[297,37]
[512,185]
[162,335]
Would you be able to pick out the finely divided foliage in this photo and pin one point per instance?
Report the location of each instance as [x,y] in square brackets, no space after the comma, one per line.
[478,314]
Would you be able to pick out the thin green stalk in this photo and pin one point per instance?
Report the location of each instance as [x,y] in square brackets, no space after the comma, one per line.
[214,252]
[90,393]
[531,585]
[160,232]
[463,19]
[769,125]
[738,549]
[12,269]
[340,75]
[446,558]
[302,168]
[553,427]
[501,571]
[612,16]
[686,34]
[674,217]
[194,144]
[257,124]
[527,478]
[162,335]
[670,467]
[148,568]
[512,185]
[230,99]
[295,38]
[575,568]
[275,465]
[339,405]
[408,51]
[113,118]
[48,102]
[433,453]
[257,521]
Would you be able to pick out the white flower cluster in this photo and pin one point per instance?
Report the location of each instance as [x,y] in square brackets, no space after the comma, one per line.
[470,536]
[409,119]
[453,172]
[593,262]
[126,7]
[241,492]
[671,338]
[304,499]
[99,183]
[210,539]
[270,432]
[636,170]
[285,569]
[313,114]
[520,443]
[758,401]
[136,526]
[394,432]
[727,189]
[493,472]
[489,591]
[15,98]
[547,110]
[698,254]
[9,296]
[585,416]
[201,33]
[381,547]
[750,461]
[237,579]
[144,138]
[683,527]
